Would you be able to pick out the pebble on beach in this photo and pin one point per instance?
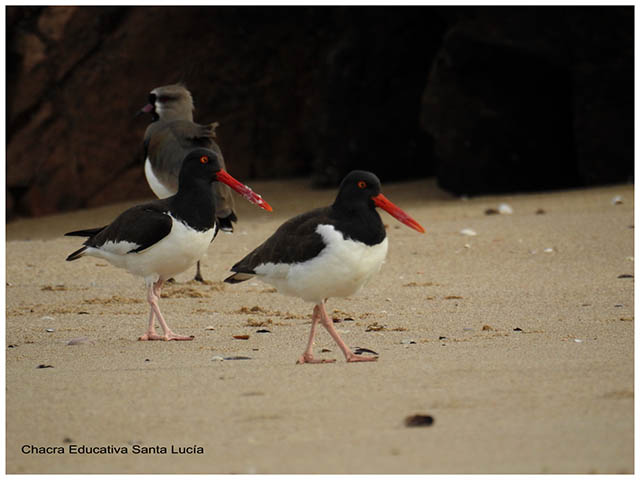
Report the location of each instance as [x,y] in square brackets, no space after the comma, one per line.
[418,420]
[505,209]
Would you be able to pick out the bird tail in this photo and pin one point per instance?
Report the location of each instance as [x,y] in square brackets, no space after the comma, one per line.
[77,254]
[238,277]
[90,232]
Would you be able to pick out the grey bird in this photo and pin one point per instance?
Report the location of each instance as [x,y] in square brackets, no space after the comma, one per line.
[170,137]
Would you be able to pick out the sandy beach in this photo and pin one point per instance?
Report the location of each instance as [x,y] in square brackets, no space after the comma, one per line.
[518,341]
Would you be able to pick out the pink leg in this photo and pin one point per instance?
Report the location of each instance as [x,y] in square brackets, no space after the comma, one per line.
[349,355]
[151,334]
[153,295]
[307,356]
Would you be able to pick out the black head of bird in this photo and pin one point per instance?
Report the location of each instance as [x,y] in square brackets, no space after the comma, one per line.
[361,188]
[203,164]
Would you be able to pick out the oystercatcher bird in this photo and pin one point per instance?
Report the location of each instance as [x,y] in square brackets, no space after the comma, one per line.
[169,138]
[159,239]
[327,252]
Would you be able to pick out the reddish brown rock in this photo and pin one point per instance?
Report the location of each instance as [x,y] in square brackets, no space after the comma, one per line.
[308,91]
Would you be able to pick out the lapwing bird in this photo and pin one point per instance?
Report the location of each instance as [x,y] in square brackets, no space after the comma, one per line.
[169,138]
[327,252]
[160,239]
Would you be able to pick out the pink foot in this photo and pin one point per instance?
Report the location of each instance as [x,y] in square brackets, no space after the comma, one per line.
[150,336]
[173,336]
[166,338]
[358,358]
[308,358]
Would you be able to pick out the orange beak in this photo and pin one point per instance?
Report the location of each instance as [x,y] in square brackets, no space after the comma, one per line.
[243,190]
[395,211]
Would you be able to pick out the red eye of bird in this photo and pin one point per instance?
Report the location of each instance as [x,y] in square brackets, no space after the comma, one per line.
[204,159]
[362,184]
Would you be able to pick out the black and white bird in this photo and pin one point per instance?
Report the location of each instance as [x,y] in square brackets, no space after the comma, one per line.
[171,135]
[160,239]
[327,252]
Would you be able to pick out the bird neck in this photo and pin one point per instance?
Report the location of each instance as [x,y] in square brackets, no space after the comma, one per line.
[182,112]
[195,204]
[360,222]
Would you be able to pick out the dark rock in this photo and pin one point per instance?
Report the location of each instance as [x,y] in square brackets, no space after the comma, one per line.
[296,90]
[514,93]
[519,98]
[370,84]
[603,84]
[500,116]
[10,204]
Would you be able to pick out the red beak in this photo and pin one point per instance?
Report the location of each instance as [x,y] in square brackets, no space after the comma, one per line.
[243,190]
[382,202]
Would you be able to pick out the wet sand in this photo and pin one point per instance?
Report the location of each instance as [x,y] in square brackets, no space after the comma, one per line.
[517,341]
